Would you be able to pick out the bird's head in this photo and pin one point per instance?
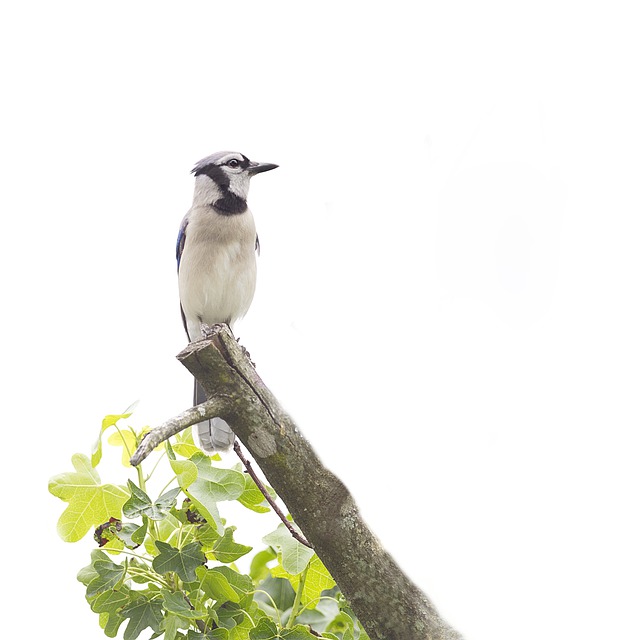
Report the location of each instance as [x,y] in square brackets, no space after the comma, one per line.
[227,174]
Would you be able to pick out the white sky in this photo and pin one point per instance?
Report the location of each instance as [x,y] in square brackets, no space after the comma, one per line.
[448,286]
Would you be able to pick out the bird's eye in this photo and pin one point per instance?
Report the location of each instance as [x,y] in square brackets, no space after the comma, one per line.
[233,163]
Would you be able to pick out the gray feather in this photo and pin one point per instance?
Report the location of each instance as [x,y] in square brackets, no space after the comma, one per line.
[214,434]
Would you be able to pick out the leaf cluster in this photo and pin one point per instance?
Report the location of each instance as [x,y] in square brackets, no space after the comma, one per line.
[166,564]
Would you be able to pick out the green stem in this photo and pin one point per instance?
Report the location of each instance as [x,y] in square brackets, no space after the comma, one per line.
[153,530]
[124,442]
[141,481]
[273,604]
[135,555]
[314,602]
[166,486]
[151,576]
[180,544]
[188,535]
[155,466]
[295,610]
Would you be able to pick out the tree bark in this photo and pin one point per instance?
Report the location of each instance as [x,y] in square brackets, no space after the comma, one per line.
[387,603]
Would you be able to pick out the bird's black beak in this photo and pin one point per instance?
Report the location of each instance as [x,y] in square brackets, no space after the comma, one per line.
[260,167]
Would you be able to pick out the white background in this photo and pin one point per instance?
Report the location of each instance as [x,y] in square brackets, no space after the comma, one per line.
[448,287]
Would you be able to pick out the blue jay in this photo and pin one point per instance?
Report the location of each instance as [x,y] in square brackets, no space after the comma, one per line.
[216,253]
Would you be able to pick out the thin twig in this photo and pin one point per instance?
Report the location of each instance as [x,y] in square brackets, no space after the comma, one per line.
[287,523]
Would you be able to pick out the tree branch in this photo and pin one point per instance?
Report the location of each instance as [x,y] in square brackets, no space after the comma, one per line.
[263,490]
[209,409]
[387,603]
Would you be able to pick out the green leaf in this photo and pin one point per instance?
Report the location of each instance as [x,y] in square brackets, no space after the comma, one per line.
[186,471]
[134,537]
[227,550]
[141,505]
[252,497]
[206,485]
[109,576]
[209,510]
[241,630]
[214,634]
[137,503]
[108,605]
[265,630]
[259,569]
[281,592]
[170,626]
[215,484]
[90,503]
[207,536]
[184,445]
[343,623]
[363,634]
[318,580]
[354,630]
[125,438]
[166,501]
[142,613]
[175,602]
[321,615]
[108,421]
[169,450]
[88,573]
[242,584]
[216,586]
[167,530]
[182,561]
[299,632]
[295,555]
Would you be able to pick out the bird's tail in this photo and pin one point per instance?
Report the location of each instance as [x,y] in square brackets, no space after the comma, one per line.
[213,434]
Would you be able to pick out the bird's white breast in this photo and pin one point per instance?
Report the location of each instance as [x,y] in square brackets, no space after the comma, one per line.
[217,276]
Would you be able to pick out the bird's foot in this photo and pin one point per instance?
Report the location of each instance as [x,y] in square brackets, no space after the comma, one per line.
[210,330]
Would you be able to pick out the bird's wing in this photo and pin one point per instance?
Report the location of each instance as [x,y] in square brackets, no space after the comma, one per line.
[182,234]
[257,244]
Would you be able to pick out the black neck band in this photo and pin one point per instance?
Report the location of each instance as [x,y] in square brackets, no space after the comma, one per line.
[230,204]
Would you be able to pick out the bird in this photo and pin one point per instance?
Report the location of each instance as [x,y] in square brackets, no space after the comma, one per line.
[216,254]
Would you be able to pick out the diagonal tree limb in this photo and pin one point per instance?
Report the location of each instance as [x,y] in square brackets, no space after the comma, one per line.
[387,603]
